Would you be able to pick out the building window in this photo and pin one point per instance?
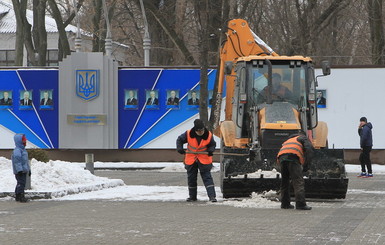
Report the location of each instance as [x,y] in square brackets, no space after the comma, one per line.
[7,57]
[53,57]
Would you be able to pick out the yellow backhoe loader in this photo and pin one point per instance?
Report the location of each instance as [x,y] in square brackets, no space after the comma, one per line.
[268,98]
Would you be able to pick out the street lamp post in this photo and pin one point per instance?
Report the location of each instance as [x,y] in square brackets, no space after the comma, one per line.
[78,39]
[108,41]
[146,38]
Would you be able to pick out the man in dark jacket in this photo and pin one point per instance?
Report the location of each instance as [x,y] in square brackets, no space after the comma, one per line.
[294,157]
[366,144]
[20,166]
[200,148]
[173,100]
[5,100]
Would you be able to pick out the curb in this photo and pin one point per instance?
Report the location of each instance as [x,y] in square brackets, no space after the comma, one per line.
[35,195]
[128,168]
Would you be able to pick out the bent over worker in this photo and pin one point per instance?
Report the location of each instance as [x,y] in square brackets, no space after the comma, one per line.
[200,148]
[294,157]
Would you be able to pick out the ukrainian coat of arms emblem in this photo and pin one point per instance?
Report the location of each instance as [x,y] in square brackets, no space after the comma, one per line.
[87,84]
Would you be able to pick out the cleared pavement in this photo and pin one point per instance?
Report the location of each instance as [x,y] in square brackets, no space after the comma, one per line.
[358,219]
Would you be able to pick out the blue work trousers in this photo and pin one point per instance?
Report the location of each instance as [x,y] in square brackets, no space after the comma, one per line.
[192,176]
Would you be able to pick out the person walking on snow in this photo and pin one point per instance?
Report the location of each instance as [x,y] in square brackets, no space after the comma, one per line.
[200,148]
[294,157]
[20,166]
[366,144]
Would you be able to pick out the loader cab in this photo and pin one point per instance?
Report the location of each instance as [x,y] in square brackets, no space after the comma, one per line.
[288,84]
[275,98]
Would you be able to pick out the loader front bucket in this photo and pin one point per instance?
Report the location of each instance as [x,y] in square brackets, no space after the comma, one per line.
[314,188]
[241,176]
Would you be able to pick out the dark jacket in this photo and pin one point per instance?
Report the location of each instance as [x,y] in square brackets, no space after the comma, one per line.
[308,150]
[182,139]
[192,102]
[49,102]
[281,93]
[156,102]
[3,102]
[321,101]
[365,134]
[132,101]
[173,101]
[20,156]
[29,102]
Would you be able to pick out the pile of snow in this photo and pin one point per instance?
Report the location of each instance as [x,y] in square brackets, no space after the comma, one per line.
[262,173]
[264,200]
[55,176]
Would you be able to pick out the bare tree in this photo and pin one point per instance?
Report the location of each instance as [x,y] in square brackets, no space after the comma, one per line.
[162,19]
[20,8]
[63,43]
[202,15]
[39,31]
[376,31]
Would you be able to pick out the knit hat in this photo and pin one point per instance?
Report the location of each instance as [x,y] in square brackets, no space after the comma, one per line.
[198,124]
[363,119]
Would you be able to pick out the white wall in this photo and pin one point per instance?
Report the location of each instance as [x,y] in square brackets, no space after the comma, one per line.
[351,94]
[7,141]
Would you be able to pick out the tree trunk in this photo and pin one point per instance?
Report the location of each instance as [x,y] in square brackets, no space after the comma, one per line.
[180,11]
[376,31]
[28,42]
[96,25]
[64,45]
[20,8]
[216,97]
[39,31]
[202,15]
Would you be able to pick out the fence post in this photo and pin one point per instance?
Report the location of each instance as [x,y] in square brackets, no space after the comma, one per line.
[28,179]
[90,162]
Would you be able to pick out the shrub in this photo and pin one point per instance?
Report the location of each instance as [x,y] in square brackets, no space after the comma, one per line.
[39,154]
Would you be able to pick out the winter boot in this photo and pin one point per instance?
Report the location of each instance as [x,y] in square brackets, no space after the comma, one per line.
[191,199]
[306,207]
[23,198]
[17,197]
[212,199]
[289,206]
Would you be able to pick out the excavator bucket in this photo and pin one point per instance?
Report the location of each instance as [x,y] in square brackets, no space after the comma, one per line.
[241,176]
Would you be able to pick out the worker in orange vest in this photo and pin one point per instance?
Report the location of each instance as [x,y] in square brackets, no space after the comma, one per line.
[200,148]
[294,157]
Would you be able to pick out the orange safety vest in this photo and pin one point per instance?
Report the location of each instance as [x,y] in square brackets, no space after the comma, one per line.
[292,146]
[192,146]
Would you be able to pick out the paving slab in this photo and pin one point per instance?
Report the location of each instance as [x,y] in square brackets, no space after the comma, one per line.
[358,219]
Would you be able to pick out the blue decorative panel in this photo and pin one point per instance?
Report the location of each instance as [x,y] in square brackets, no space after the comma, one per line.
[139,127]
[40,126]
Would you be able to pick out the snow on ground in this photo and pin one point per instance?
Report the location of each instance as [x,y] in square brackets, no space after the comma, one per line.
[55,176]
[59,176]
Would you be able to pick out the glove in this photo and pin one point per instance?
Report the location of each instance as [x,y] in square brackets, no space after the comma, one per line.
[29,173]
[181,151]
[210,153]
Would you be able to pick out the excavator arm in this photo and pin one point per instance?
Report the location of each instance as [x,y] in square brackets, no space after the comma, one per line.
[240,41]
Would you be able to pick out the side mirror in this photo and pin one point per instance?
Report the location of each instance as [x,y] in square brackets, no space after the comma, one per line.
[228,67]
[325,67]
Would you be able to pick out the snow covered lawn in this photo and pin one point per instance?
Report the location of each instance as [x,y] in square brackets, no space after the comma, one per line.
[56,177]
